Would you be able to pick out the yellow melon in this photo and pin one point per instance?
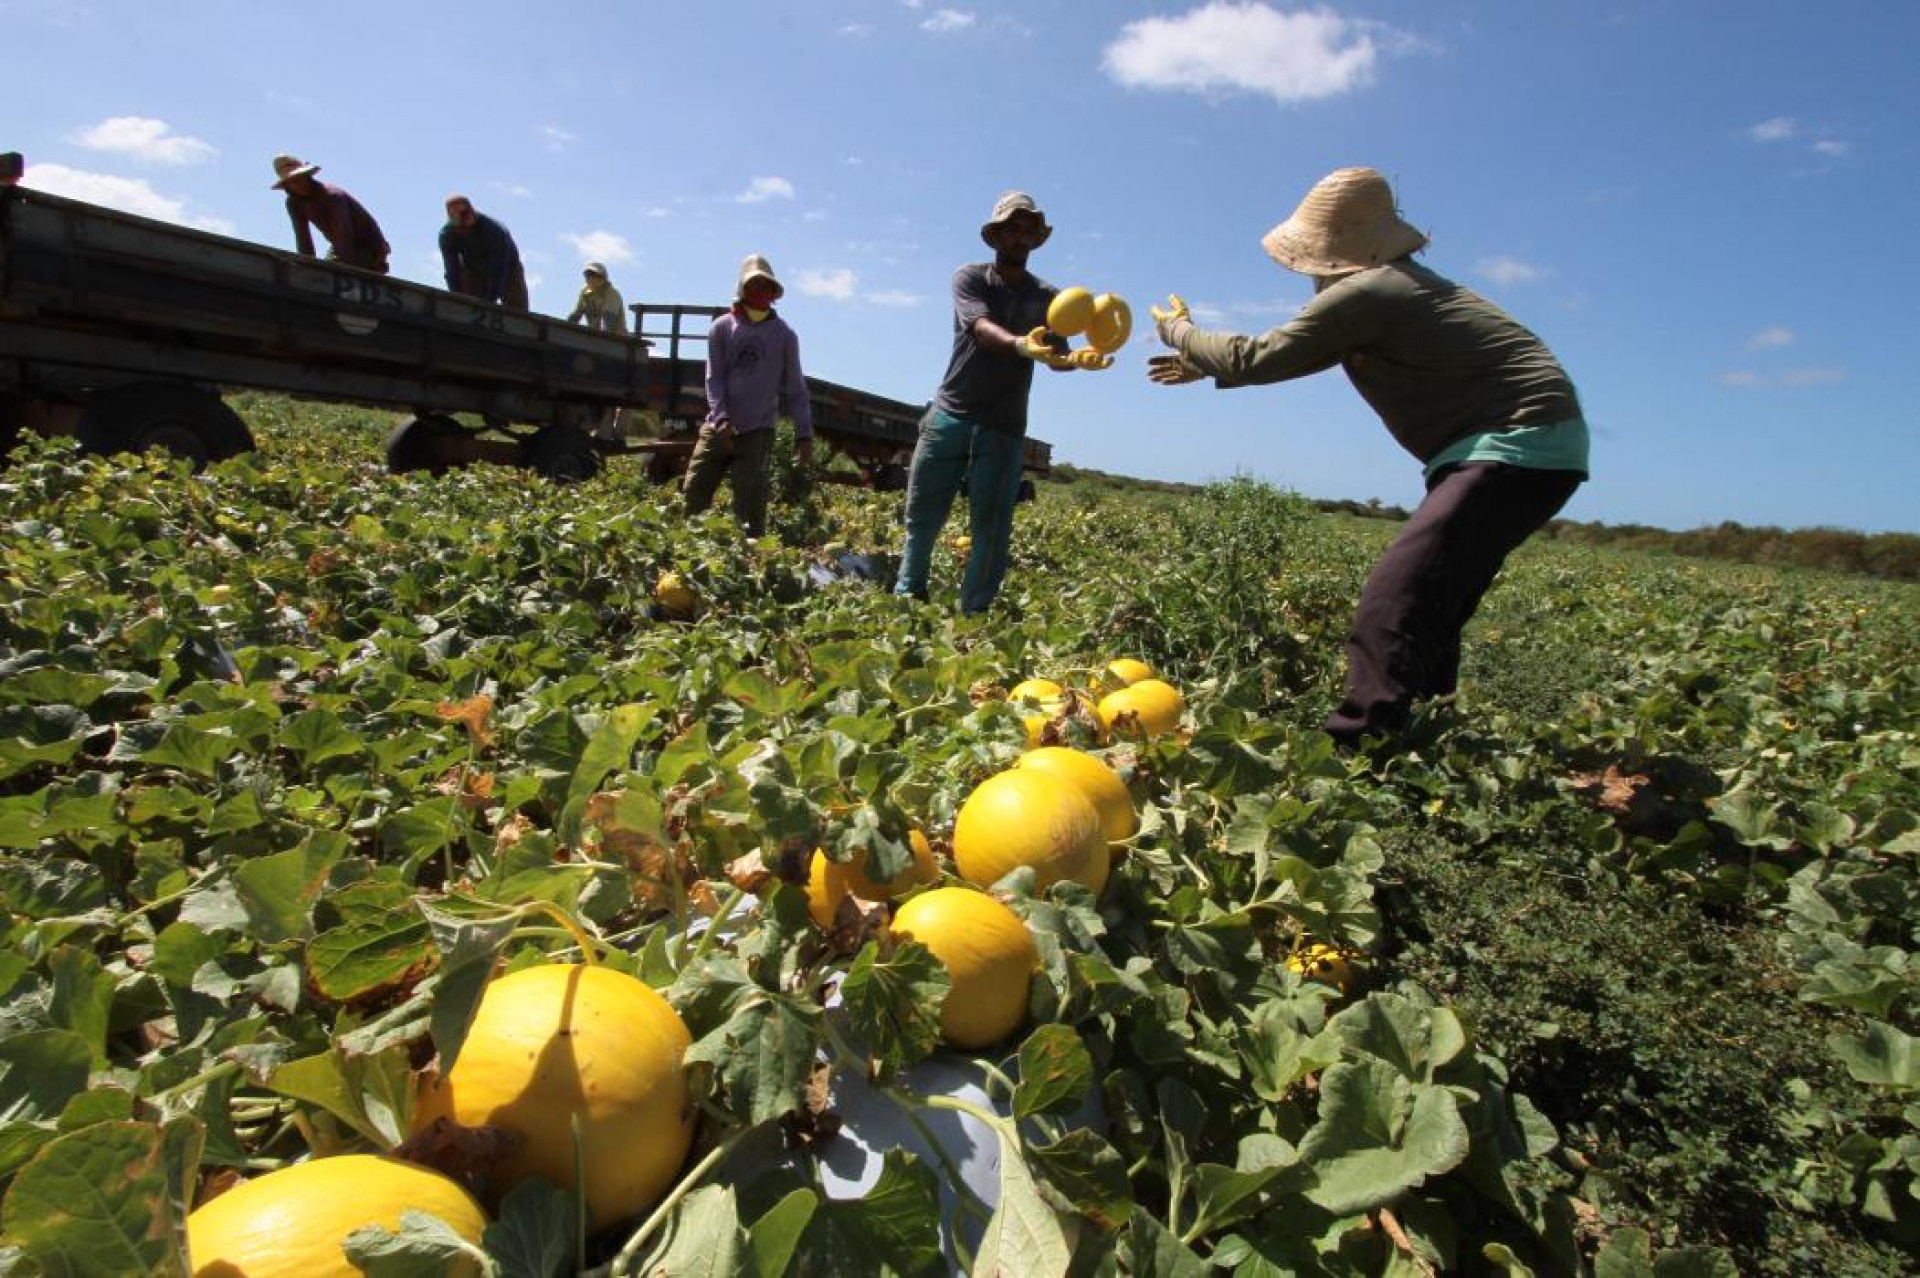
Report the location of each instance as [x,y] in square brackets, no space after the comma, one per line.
[291,1223]
[1099,783]
[558,1040]
[1070,311]
[1323,963]
[674,595]
[988,953]
[1030,817]
[1110,324]
[830,881]
[1156,708]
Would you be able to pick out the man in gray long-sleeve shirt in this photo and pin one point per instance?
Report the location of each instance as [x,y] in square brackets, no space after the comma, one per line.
[1476,397]
[753,358]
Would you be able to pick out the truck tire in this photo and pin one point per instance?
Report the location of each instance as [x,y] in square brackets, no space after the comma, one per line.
[564,454]
[189,421]
[890,478]
[417,444]
[13,411]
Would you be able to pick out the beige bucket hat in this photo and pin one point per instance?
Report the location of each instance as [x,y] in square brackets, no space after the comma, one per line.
[288,167]
[754,265]
[1009,204]
[1348,222]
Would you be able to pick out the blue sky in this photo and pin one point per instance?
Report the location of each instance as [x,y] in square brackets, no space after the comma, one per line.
[1705,208]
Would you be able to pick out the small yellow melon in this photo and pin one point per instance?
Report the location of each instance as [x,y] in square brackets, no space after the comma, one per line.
[1156,708]
[1027,816]
[291,1223]
[988,953]
[829,881]
[559,1040]
[1070,311]
[1094,779]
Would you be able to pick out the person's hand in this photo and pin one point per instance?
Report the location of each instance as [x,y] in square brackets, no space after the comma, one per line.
[1037,348]
[1090,359]
[1171,324]
[1171,370]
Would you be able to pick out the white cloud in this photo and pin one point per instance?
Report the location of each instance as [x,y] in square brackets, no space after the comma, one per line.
[601,246]
[815,215]
[947,21]
[858,30]
[1833,148]
[558,139]
[1505,272]
[1771,339]
[1778,129]
[129,195]
[146,140]
[762,189]
[892,298]
[514,189]
[1792,379]
[837,284]
[1234,46]
[656,211]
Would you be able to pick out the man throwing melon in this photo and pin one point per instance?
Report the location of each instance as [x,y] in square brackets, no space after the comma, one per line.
[1476,397]
[975,430]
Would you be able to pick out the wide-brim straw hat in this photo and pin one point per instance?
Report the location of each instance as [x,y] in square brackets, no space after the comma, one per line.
[1348,222]
[754,266]
[288,167]
[1009,204]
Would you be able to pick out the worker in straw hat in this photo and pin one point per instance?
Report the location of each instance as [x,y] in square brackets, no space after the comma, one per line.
[1476,397]
[353,237]
[753,358]
[974,431]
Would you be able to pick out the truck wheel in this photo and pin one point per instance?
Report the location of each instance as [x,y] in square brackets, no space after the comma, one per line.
[564,454]
[421,443]
[13,411]
[189,421]
[890,478]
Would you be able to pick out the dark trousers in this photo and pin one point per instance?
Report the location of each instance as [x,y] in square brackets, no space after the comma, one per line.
[1406,632]
[746,458]
[474,284]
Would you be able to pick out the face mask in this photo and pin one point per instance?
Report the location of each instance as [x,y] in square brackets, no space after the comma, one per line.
[756,315]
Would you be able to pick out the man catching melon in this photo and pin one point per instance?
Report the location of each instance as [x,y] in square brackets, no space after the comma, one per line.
[1476,397]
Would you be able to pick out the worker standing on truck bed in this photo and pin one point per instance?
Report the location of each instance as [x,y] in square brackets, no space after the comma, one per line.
[480,256]
[752,356]
[353,237]
[601,307]
[975,430]
[1477,398]
[599,304]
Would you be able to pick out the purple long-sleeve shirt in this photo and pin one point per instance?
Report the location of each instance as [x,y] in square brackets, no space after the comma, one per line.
[749,365]
[351,232]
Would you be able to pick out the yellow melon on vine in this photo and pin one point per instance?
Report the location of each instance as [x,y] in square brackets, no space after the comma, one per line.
[560,1042]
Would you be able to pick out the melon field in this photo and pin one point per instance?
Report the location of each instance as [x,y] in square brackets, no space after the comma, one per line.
[391,883]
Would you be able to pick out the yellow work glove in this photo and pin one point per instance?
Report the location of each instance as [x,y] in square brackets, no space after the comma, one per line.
[1036,348]
[1091,360]
[1173,323]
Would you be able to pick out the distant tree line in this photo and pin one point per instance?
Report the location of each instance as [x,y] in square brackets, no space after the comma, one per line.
[1888,556]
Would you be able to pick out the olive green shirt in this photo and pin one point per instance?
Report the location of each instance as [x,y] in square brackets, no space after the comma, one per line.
[1436,361]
